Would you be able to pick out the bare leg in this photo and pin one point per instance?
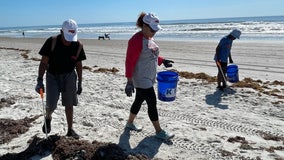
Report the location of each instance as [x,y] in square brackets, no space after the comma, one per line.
[157,126]
[69,116]
[131,118]
[48,114]
[219,79]
[46,126]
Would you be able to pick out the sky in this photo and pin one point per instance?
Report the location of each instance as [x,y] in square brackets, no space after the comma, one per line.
[18,13]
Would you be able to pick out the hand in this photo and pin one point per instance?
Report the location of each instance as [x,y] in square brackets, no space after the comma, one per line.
[168,63]
[231,61]
[79,88]
[129,89]
[39,85]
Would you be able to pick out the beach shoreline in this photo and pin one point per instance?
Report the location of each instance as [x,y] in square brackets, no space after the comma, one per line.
[203,119]
[192,56]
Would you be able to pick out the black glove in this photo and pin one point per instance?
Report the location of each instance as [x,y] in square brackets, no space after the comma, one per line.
[231,61]
[129,89]
[79,88]
[39,85]
[168,63]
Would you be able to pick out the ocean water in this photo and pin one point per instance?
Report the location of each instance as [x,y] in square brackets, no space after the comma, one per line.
[268,28]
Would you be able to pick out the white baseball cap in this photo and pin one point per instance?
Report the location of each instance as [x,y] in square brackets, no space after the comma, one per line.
[152,20]
[70,28]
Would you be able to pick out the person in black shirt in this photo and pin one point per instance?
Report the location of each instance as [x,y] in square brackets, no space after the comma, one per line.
[61,56]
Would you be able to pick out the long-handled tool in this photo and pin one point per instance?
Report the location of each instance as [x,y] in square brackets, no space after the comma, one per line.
[43,110]
[223,75]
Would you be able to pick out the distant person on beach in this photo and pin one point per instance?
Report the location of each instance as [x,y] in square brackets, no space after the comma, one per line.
[142,58]
[223,52]
[61,55]
[107,35]
[23,34]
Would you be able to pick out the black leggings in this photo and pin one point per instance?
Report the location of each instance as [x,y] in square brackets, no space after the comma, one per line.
[149,96]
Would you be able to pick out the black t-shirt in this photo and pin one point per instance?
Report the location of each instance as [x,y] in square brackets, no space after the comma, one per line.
[61,60]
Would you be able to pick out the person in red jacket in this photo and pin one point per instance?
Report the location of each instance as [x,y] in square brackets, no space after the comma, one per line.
[142,59]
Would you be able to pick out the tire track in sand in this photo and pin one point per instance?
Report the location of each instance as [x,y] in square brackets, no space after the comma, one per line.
[185,143]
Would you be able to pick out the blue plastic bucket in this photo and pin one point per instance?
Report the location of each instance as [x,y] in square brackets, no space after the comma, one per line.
[232,73]
[167,84]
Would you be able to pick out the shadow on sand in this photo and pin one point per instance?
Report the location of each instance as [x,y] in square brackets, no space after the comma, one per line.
[149,146]
[215,99]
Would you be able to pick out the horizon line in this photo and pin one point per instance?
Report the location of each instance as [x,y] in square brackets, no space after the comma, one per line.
[134,21]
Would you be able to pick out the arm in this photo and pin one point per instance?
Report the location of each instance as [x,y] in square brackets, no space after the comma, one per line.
[160,60]
[79,68]
[41,70]
[42,66]
[132,55]
[230,58]
[79,74]
[45,53]
[79,58]
[218,53]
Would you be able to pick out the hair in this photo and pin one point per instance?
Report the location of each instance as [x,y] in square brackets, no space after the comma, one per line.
[139,22]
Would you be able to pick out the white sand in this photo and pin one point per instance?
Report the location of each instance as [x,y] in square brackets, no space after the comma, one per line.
[201,118]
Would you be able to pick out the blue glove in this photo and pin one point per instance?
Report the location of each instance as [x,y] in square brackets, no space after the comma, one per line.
[168,63]
[79,88]
[129,89]
[39,85]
